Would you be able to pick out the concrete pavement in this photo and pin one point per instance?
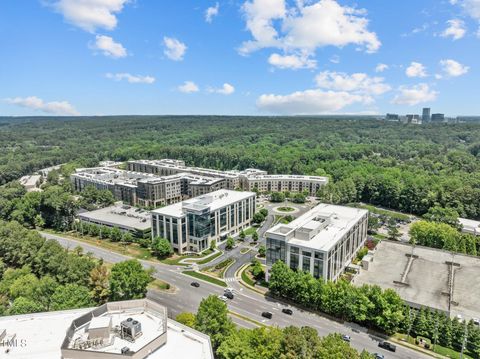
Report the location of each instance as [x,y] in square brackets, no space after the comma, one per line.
[247,303]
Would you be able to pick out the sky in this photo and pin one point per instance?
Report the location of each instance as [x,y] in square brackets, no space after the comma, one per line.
[245,57]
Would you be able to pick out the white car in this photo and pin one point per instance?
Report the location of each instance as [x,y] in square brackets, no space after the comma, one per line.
[229,290]
[222,297]
[476,321]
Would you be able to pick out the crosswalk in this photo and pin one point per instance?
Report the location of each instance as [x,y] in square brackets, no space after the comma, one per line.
[230,280]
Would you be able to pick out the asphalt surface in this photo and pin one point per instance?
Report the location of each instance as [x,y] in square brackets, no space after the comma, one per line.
[246,302]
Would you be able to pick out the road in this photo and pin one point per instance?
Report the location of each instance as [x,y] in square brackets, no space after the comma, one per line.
[247,303]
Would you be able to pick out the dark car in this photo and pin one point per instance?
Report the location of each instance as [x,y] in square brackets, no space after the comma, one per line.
[229,295]
[378,356]
[267,315]
[287,311]
[195,284]
[387,346]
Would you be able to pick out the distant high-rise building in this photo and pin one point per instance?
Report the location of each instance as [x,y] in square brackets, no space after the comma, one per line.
[392,117]
[438,117]
[426,115]
[410,118]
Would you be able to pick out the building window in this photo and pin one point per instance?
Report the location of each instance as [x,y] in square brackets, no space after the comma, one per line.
[199,225]
[317,268]
[175,231]
[223,217]
[306,264]
[275,251]
[294,261]
[232,216]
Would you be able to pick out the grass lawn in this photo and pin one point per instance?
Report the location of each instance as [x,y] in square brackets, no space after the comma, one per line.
[176,259]
[379,236]
[250,231]
[130,249]
[159,285]
[205,278]
[218,269]
[285,209]
[206,260]
[395,215]
[246,278]
[450,353]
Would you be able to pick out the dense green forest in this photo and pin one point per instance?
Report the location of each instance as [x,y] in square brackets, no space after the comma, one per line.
[405,167]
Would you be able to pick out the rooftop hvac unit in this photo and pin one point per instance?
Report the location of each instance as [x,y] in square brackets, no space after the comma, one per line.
[130,329]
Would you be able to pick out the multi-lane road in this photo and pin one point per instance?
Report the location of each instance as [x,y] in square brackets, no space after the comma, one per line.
[246,303]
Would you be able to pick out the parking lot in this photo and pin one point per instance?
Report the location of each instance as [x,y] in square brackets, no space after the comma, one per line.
[421,276]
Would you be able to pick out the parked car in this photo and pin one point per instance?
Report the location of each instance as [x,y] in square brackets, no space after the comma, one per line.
[387,346]
[287,311]
[476,321]
[229,295]
[347,338]
[222,297]
[195,284]
[378,356]
[267,315]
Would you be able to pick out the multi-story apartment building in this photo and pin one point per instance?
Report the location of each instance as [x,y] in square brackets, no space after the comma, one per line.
[166,167]
[145,189]
[163,182]
[191,225]
[323,241]
[249,180]
[282,183]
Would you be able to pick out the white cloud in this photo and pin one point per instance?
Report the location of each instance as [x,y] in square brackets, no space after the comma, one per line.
[308,102]
[414,95]
[259,16]
[456,29]
[416,69]
[226,89]
[174,49]
[133,79]
[306,26]
[381,67]
[471,7]
[357,82]
[109,47]
[294,61]
[452,68]
[335,59]
[211,12]
[90,14]
[37,104]
[188,87]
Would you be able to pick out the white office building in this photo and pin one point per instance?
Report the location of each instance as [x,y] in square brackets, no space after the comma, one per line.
[191,225]
[322,241]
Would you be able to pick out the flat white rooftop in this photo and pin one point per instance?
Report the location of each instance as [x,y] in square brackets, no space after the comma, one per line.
[123,216]
[40,336]
[320,228]
[470,226]
[210,201]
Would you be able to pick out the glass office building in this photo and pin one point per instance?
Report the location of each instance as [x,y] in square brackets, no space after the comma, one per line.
[191,225]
